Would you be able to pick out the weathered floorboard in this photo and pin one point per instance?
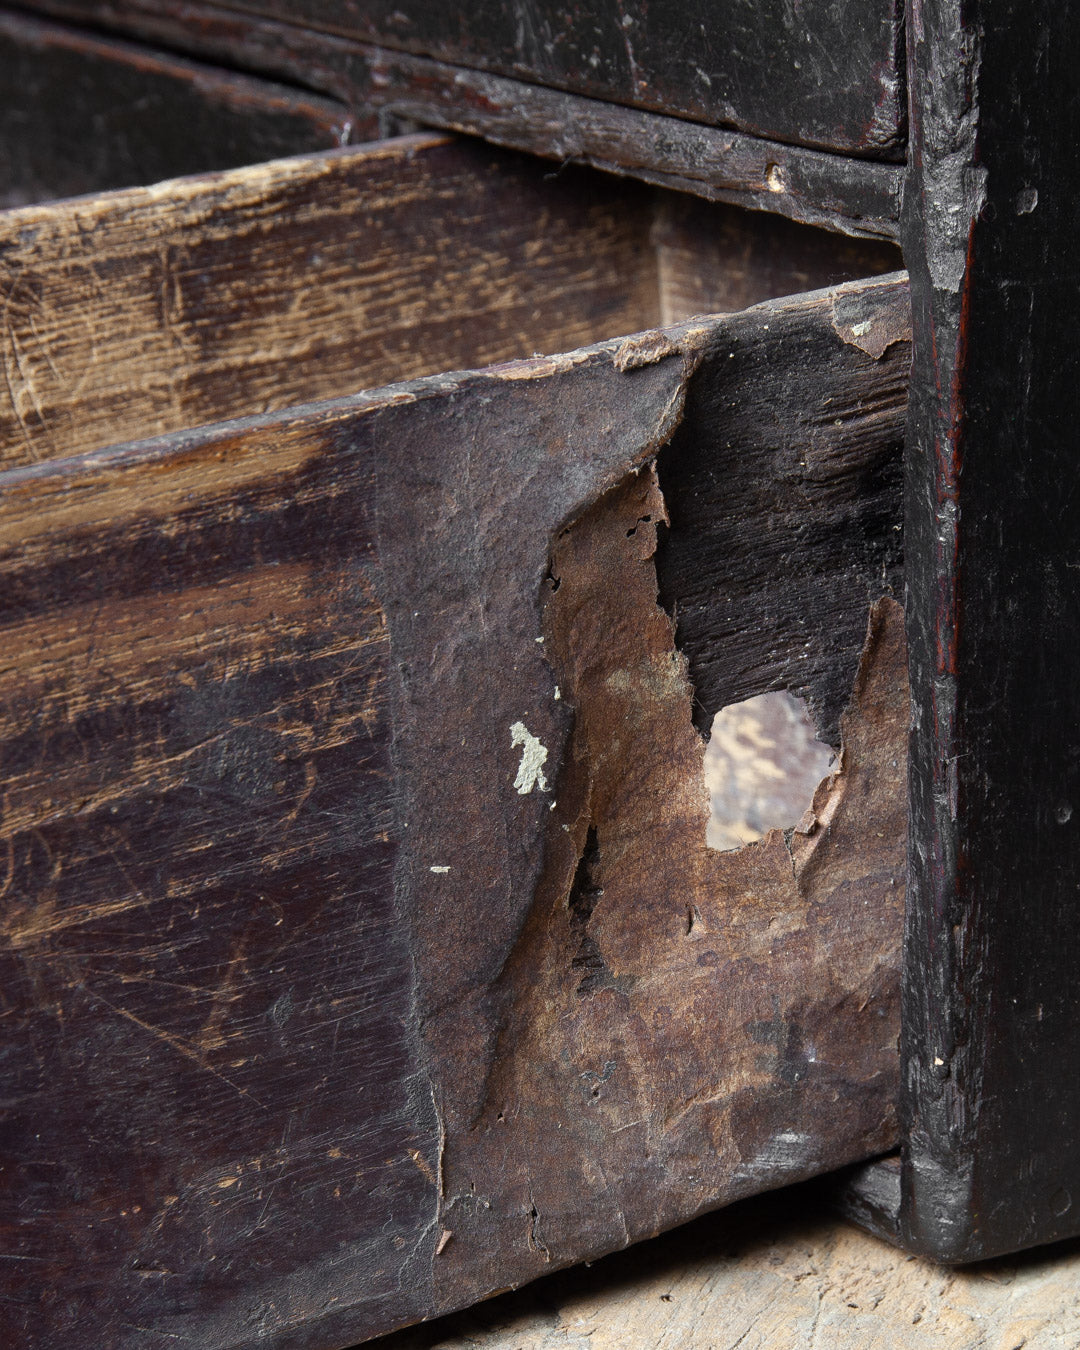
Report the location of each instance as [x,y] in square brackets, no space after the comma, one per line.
[82,113]
[362,952]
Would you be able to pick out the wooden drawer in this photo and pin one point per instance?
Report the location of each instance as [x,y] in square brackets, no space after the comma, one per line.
[823,75]
[364,953]
[796,110]
[985,170]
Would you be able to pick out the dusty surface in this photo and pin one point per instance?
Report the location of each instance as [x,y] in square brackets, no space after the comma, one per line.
[776,1273]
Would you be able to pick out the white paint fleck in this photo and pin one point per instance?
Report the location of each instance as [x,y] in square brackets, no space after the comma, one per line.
[539,639]
[530,772]
[440,869]
[558,693]
[861,329]
[938,1061]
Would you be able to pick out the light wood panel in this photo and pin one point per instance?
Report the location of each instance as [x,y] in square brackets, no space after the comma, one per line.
[146,311]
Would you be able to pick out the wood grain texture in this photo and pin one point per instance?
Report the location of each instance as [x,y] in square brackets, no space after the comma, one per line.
[318,1020]
[714,259]
[807,459]
[156,309]
[860,196]
[824,75]
[216,1127]
[81,113]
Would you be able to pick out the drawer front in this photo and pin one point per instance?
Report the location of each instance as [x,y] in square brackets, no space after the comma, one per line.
[820,74]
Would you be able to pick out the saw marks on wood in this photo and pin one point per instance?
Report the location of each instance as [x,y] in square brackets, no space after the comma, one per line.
[777,1273]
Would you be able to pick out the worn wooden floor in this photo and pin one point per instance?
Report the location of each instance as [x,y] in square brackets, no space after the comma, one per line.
[776,1273]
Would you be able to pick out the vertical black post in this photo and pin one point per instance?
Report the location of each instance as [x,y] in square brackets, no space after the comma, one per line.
[991,1043]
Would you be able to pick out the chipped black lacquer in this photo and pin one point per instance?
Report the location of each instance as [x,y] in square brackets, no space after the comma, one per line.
[991,1021]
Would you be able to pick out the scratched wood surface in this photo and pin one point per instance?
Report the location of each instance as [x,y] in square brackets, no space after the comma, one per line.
[83,113]
[155,309]
[362,952]
[824,75]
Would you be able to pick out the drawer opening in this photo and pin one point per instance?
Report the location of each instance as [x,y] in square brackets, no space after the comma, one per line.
[149,310]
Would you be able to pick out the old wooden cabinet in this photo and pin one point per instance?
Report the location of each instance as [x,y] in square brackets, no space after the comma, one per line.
[364,951]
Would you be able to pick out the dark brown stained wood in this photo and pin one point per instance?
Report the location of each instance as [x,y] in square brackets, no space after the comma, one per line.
[807,455]
[151,310]
[828,75]
[216,1125]
[715,259]
[80,113]
[858,196]
[689,1024]
[361,952]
